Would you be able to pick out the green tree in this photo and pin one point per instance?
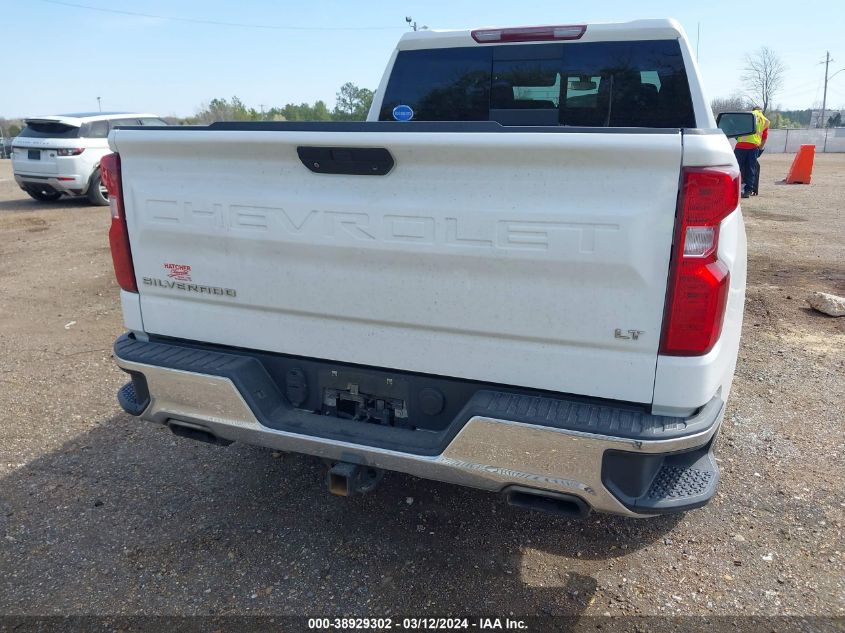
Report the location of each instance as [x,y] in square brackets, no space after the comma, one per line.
[353,103]
[226,110]
[320,111]
[798,118]
[778,121]
[301,112]
[10,127]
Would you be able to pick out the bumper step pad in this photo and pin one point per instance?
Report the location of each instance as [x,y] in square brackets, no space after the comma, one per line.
[688,484]
[130,400]
[668,483]
[676,482]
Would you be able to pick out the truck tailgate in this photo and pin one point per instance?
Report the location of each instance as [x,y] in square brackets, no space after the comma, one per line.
[511,258]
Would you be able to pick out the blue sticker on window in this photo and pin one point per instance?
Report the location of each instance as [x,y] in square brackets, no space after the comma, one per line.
[403,113]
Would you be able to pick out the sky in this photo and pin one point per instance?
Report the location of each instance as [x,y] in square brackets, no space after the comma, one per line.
[60,58]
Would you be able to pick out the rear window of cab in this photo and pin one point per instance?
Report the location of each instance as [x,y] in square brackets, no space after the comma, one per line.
[590,84]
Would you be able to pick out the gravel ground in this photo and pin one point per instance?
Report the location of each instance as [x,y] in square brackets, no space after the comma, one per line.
[101,514]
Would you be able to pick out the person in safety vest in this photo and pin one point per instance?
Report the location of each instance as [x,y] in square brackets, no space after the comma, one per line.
[748,149]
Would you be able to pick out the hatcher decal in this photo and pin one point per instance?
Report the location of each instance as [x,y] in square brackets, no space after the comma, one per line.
[182,272]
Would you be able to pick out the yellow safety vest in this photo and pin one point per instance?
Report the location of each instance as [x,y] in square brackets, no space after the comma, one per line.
[757,137]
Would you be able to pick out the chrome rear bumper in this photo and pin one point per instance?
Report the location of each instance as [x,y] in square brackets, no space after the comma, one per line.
[487,453]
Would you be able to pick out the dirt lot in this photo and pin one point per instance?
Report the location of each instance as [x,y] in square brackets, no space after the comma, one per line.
[101,514]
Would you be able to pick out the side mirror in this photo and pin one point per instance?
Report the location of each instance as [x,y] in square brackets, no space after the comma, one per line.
[735,124]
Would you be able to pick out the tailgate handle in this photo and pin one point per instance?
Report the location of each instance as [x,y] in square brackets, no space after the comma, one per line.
[356,161]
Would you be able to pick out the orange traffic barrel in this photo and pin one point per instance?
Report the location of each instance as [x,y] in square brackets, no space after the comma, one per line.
[802,167]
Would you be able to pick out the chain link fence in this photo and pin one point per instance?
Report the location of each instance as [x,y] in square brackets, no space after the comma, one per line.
[826,140]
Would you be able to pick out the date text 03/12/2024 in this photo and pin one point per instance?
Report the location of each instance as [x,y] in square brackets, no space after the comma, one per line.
[482,624]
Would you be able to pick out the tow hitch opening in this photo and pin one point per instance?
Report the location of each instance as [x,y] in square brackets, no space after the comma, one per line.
[345,479]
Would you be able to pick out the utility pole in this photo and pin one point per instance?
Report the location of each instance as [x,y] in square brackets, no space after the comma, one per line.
[827,61]
[99,107]
[261,105]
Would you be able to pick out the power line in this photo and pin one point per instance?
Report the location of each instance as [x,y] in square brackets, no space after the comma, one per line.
[804,88]
[816,96]
[795,93]
[809,84]
[221,23]
[838,93]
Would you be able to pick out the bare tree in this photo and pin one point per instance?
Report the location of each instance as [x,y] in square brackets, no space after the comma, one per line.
[734,103]
[763,76]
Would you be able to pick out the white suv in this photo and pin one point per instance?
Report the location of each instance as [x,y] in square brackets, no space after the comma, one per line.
[55,155]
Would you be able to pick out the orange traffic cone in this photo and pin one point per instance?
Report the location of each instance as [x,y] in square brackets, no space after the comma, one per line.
[802,166]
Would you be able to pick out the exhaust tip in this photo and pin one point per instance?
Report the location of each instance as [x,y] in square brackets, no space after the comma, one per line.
[197,433]
[556,503]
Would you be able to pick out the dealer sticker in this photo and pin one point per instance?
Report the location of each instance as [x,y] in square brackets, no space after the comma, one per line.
[403,113]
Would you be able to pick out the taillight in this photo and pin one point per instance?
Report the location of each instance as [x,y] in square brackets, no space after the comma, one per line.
[530,34]
[118,232]
[70,151]
[698,281]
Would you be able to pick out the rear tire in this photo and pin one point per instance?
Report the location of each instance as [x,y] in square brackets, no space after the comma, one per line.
[44,196]
[97,193]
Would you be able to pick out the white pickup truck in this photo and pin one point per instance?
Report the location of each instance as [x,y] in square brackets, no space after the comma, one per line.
[525,273]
